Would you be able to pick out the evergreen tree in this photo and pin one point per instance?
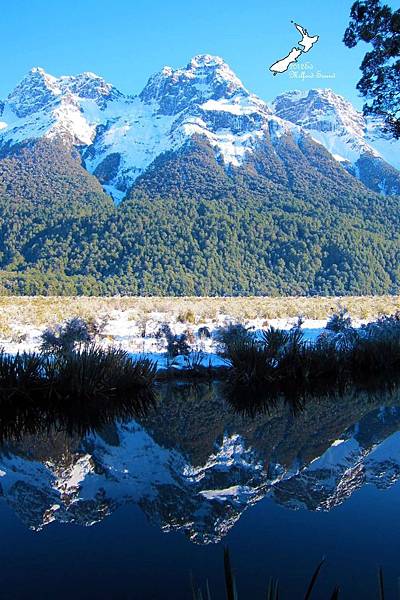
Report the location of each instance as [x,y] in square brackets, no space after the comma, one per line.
[378,25]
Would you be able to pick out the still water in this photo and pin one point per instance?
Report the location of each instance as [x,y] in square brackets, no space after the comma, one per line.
[136,508]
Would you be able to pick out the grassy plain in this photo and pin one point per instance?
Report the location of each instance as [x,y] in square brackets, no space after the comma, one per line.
[37,311]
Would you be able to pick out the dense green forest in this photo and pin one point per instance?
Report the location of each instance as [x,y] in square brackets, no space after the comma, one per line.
[293,221]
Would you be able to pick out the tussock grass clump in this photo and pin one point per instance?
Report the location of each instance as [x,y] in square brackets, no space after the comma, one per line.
[76,392]
[88,375]
[376,349]
[22,376]
[340,355]
[94,373]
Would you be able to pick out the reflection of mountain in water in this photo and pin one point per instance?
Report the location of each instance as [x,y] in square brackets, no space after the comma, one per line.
[194,465]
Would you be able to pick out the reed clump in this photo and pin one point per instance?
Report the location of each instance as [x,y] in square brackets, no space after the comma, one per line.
[340,354]
[274,588]
[87,374]
[77,391]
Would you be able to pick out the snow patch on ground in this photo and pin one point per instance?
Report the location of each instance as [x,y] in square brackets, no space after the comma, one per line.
[139,338]
[116,194]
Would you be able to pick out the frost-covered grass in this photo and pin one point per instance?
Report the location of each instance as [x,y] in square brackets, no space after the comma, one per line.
[134,324]
[72,375]
[256,350]
[38,311]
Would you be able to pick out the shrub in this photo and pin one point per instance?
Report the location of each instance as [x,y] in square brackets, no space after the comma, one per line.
[377,349]
[339,322]
[385,325]
[66,337]
[187,317]
[162,334]
[177,345]
[230,336]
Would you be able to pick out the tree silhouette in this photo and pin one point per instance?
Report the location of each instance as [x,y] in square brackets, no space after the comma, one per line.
[378,25]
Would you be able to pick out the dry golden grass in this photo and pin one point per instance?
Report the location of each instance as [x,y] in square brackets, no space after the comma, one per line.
[40,310]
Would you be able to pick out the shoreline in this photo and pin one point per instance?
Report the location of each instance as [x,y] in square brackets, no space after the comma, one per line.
[139,338]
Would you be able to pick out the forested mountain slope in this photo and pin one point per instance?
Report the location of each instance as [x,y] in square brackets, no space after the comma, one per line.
[218,193]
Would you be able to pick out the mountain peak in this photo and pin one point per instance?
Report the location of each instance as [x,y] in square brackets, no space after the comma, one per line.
[39,90]
[90,86]
[320,109]
[352,139]
[35,91]
[201,60]
[208,63]
[91,75]
[39,70]
[205,77]
[40,75]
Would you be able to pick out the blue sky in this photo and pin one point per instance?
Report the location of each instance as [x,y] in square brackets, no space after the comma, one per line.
[126,41]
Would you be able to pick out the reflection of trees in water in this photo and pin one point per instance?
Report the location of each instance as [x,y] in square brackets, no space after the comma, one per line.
[196,417]
[74,418]
[262,398]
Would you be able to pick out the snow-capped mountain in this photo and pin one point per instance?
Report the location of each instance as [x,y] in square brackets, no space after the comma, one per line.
[205,99]
[352,139]
[120,136]
[67,108]
[184,484]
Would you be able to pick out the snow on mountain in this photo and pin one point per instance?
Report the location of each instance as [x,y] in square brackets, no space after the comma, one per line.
[352,461]
[85,486]
[333,122]
[204,77]
[205,99]
[383,143]
[67,108]
[120,136]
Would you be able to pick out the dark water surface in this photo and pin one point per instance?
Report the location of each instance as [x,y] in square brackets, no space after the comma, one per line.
[131,510]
